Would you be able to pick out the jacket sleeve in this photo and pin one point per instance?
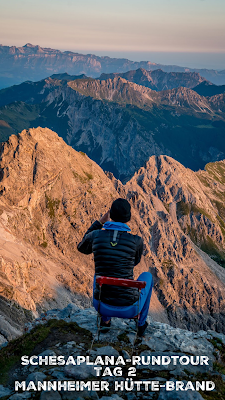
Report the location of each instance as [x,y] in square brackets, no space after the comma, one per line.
[85,246]
[139,250]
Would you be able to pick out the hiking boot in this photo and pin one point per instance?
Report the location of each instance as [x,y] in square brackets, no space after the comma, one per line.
[104,327]
[142,329]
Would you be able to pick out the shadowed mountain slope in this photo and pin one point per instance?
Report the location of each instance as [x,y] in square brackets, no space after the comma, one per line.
[110,118]
[208,89]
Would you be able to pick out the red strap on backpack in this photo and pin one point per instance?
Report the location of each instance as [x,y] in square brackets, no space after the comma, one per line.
[106,280]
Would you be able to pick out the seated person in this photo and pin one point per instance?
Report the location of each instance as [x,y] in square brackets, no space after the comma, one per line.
[116,252]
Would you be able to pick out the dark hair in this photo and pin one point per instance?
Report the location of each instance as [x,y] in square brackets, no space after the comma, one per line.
[120,210]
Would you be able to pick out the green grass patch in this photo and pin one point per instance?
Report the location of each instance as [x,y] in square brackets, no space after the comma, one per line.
[11,354]
[15,117]
[217,171]
[205,126]
[7,291]
[197,210]
[218,393]
[187,208]
[221,209]
[209,247]
[160,283]
[167,207]
[218,344]
[39,339]
[168,264]
[204,180]
[88,175]
[222,225]
[83,179]
[52,205]
[44,244]
[219,367]
[183,208]
[123,337]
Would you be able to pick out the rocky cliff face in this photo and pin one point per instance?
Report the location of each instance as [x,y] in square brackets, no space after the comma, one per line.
[47,192]
[118,90]
[50,194]
[34,62]
[186,210]
[195,200]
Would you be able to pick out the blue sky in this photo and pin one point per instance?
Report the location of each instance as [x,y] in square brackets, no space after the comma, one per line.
[140,28]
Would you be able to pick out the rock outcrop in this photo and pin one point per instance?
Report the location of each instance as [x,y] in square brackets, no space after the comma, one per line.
[182,356]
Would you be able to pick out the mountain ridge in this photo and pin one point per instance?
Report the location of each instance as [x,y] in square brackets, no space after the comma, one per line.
[103,90]
[106,119]
[159,80]
[32,62]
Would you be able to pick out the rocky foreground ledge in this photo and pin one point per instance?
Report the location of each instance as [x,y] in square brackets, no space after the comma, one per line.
[67,335]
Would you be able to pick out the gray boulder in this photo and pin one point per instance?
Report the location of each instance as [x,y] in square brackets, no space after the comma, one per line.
[4,391]
[50,396]
[35,377]
[82,371]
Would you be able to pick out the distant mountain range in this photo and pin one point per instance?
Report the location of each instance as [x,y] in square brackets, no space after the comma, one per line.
[208,89]
[118,123]
[159,80]
[18,64]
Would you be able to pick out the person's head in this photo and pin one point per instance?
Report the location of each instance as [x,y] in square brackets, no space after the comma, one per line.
[120,211]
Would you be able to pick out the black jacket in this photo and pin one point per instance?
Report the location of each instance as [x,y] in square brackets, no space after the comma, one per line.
[113,260]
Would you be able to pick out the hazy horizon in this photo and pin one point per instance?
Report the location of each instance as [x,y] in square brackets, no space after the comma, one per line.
[185,33]
[183,59]
[194,60]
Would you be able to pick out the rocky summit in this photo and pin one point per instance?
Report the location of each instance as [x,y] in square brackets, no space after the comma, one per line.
[49,196]
[62,349]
